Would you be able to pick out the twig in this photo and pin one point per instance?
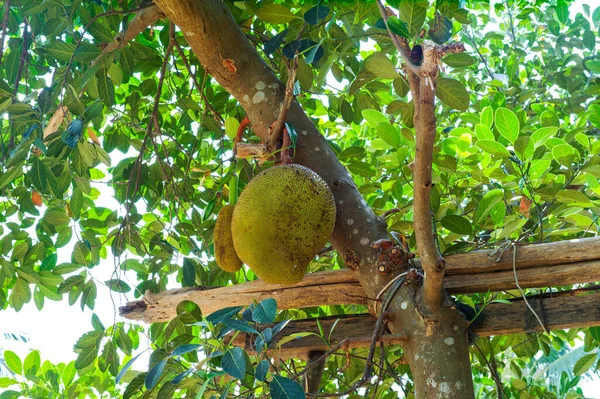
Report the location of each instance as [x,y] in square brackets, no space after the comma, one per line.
[22,59]
[87,26]
[4,27]
[277,127]
[217,117]
[481,57]
[393,285]
[511,24]
[401,44]
[493,371]
[149,130]
[325,250]
[521,290]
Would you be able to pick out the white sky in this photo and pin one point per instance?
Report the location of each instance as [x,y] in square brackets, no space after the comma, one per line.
[55,330]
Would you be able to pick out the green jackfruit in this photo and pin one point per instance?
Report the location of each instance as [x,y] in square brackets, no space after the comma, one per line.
[284,216]
[225,254]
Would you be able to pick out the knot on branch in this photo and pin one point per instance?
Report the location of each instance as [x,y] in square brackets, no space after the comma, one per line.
[393,258]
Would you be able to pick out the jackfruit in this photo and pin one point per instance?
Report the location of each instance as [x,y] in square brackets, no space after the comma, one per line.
[284,216]
[225,254]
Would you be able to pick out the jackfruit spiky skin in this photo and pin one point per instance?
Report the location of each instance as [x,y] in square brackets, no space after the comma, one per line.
[284,216]
[225,254]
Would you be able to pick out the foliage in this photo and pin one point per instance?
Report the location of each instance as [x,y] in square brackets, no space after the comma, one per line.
[516,160]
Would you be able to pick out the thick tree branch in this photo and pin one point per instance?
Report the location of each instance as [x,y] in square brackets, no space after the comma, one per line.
[234,63]
[422,81]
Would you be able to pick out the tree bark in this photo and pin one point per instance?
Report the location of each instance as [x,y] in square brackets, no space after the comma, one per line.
[228,56]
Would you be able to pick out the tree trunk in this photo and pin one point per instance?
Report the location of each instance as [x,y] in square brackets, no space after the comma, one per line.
[228,56]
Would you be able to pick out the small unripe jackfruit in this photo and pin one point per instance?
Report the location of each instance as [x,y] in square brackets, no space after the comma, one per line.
[225,254]
[284,216]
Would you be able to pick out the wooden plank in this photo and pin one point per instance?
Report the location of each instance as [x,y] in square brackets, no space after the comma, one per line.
[558,313]
[535,267]
[340,287]
[316,289]
[530,277]
[552,253]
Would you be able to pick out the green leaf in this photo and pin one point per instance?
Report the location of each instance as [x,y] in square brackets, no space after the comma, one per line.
[60,50]
[106,88]
[398,27]
[457,60]
[413,13]
[56,217]
[400,87]
[594,112]
[487,203]
[126,367]
[512,227]
[584,363]
[86,357]
[583,140]
[239,325]
[524,148]
[316,14]
[483,132]
[453,93]
[21,293]
[154,374]
[13,362]
[80,254]
[562,11]
[265,311]
[362,169]
[188,271]
[134,386]
[507,124]
[352,152]
[374,117]
[284,388]
[589,39]
[493,147]
[221,314]
[440,30]
[117,285]
[380,65]
[347,111]
[573,198]
[275,14]
[183,349]
[39,174]
[540,136]
[390,134]
[231,127]
[189,312]
[564,154]
[593,65]
[86,52]
[234,363]
[76,202]
[457,224]
[261,370]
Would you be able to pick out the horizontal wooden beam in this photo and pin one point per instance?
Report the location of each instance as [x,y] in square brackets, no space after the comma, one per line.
[558,313]
[548,254]
[543,265]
